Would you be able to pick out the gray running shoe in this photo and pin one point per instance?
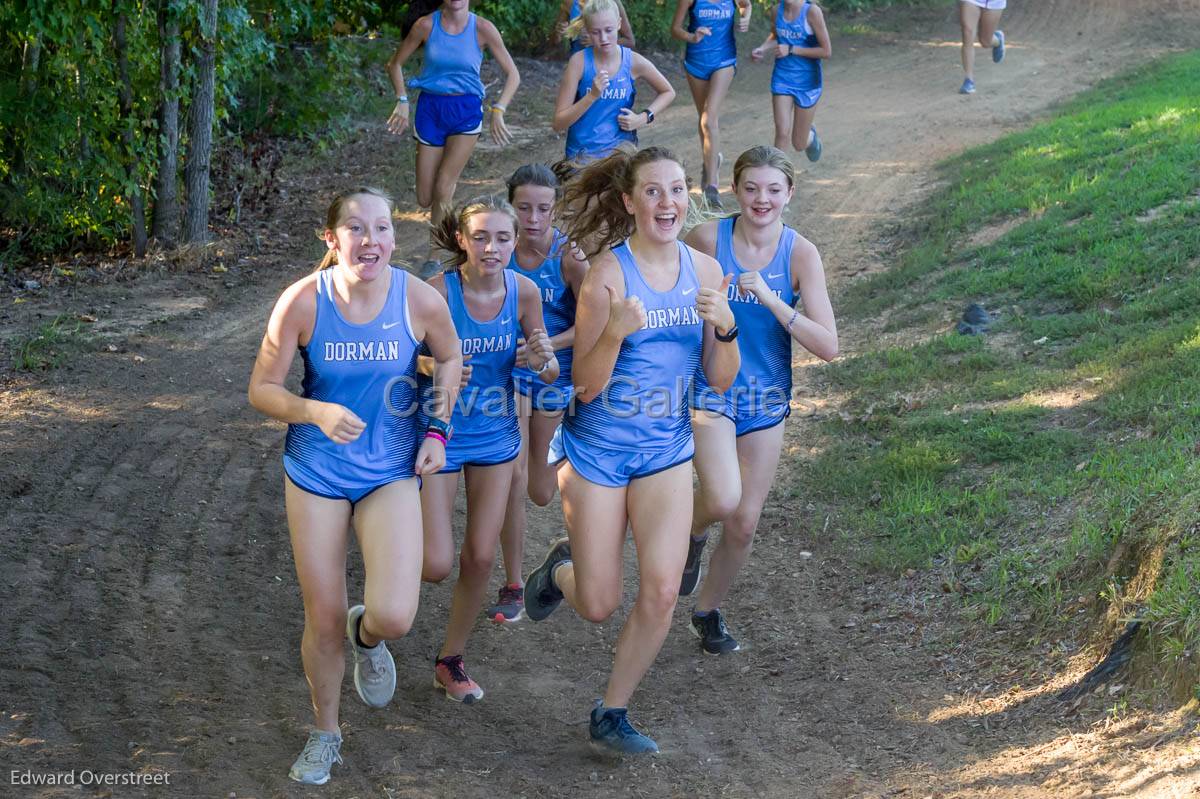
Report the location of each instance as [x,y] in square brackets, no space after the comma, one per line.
[813,150]
[429,269]
[704,177]
[693,568]
[714,637]
[712,196]
[541,594]
[321,751]
[374,669]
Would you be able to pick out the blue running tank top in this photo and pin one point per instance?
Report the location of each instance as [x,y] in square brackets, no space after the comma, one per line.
[764,382]
[451,63]
[485,415]
[371,369]
[577,42]
[793,73]
[558,308]
[717,50]
[596,133]
[644,408]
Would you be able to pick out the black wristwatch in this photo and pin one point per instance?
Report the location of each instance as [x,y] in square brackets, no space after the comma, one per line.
[729,334]
[438,426]
[649,115]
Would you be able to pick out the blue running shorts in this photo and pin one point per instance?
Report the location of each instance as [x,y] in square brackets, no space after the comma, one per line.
[615,468]
[310,481]
[442,115]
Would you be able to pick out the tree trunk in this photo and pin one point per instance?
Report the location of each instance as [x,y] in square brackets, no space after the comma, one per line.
[201,115]
[125,99]
[14,143]
[166,206]
[30,59]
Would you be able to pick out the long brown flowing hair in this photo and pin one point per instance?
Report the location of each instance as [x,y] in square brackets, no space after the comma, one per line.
[592,208]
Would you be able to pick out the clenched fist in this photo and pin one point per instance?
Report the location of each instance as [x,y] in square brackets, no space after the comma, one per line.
[626,315]
[339,423]
[713,305]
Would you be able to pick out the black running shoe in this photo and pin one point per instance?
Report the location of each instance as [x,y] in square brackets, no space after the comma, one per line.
[693,569]
[611,732]
[714,637]
[541,594]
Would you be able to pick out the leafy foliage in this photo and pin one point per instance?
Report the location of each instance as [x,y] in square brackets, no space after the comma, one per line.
[282,70]
[62,162]
[1057,455]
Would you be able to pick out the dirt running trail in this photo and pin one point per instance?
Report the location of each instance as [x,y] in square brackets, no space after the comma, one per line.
[151,614]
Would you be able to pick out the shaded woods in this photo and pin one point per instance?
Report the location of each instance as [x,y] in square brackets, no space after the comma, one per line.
[114,114]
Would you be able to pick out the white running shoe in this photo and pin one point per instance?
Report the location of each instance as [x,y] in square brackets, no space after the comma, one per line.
[321,751]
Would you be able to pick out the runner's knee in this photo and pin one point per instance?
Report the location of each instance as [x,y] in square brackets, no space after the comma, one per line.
[391,621]
[325,622]
[541,492]
[657,597]
[443,189]
[596,605]
[476,562]
[424,196]
[738,531]
[436,567]
[722,502]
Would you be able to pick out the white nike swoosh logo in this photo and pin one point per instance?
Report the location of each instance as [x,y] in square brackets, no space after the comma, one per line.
[776,276]
[389,325]
[544,275]
[687,291]
[506,320]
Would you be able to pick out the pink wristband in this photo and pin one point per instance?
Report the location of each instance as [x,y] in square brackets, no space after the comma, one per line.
[437,435]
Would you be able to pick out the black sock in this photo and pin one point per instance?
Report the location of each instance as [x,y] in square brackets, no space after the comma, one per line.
[358,635]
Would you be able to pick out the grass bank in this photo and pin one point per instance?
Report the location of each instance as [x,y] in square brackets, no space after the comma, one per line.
[1051,464]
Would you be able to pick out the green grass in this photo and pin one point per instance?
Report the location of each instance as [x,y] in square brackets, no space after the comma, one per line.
[1058,455]
[50,345]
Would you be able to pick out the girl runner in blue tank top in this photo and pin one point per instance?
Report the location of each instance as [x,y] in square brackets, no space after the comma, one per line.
[557,269]
[799,40]
[709,62]
[492,307]
[354,449]
[571,10]
[597,94]
[651,308]
[449,113]
[739,438]
[980,21]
